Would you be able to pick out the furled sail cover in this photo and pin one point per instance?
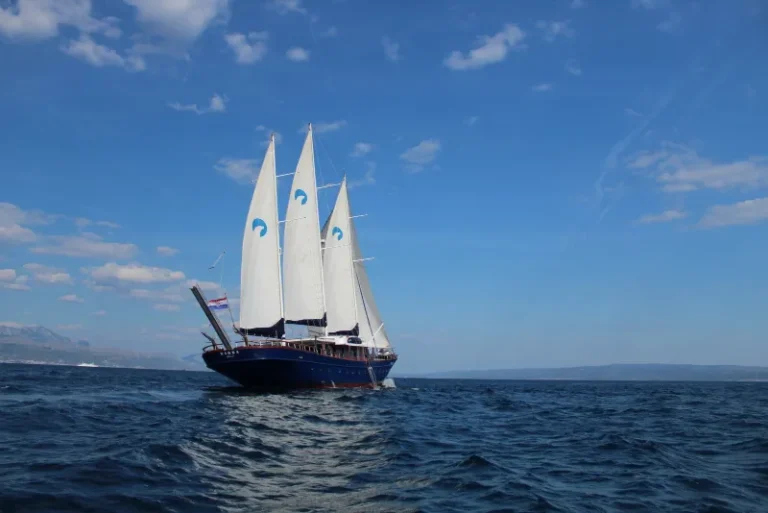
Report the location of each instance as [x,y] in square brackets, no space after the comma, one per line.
[302,256]
[371,325]
[261,302]
[338,269]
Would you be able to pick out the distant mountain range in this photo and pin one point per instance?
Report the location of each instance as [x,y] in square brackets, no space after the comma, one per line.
[38,344]
[618,372]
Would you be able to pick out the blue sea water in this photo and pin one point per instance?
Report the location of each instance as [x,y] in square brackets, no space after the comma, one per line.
[93,439]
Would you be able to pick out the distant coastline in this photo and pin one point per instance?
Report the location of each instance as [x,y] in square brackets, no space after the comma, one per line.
[613,372]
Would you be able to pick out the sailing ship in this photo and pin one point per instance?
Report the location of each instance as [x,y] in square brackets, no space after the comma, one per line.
[321,284]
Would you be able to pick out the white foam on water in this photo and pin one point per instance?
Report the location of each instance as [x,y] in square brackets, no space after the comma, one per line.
[388,383]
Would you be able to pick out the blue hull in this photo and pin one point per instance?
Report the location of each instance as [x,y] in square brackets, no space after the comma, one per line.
[280,367]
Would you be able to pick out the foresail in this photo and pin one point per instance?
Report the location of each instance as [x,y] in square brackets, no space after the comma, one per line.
[338,268]
[261,302]
[302,255]
[371,324]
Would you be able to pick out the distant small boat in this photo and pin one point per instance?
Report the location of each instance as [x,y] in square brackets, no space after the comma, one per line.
[322,284]
[87,365]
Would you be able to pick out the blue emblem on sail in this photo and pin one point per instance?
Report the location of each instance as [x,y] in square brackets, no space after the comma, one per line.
[300,194]
[337,232]
[259,223]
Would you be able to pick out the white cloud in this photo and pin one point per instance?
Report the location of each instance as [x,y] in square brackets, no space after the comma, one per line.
[470,121]
[179,20]
[248,49]
[422,154]
[287,6]
[166,251]
[205,285]
[83,222]
[632,112]
[132,273]
[322,127]
[554,29]
[297,54]
[743,213]
[100,312]
[369,178]
[86,49]
[391,49]
[163,307]
[664,217]
[16,283]
[11,324]
[15,234]
[87,245]
[488,50]
[572,67]
[7,275]
[330,32]
[217,104]
[50,275]
[578,4]
[40,19]
[71,298]
[240,170]
[678,168]
[361,149]
[647,4]
[542,88]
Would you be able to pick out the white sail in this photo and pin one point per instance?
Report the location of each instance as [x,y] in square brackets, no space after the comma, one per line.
[261,302]
[338,268]
[371,325]
[302,255]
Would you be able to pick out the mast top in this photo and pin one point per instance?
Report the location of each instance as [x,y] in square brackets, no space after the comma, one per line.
[309,127]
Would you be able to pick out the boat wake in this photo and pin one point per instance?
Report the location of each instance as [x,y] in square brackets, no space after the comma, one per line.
[388,383]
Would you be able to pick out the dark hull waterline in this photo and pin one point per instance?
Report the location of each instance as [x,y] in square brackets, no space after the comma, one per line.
[287,368]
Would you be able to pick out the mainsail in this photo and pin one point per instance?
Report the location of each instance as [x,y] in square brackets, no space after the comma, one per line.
[338,268]
[261,302]
[302,254]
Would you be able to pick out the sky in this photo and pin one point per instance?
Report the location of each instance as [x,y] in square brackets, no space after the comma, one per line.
[570,182]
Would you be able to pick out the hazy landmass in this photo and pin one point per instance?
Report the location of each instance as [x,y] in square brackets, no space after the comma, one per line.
[37,344]
[617,372]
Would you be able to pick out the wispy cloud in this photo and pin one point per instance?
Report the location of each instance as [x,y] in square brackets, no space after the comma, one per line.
[49,275]
[248,49]
[420,155]
[747,212]
[543,87]
[114,273]
[297,54]
[243,171]
[168,295]
[361,149]
[14,221]
[470,121]
[391,49]
[551,30]
[166,251]
[69,327]
[671,23]
[95,54]
[71,298]
[83,222]
[632,112]
[217,103]
[369,178]
[578,4]
[37,20]
[664,217]
[488,50]
[88,245]
[287,6]
[100,313]
[679,168]
[573,67]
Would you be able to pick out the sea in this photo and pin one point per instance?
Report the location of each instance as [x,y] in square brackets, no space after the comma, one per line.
[76,439]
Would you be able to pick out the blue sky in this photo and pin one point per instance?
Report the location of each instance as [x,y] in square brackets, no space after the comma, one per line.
[546,183]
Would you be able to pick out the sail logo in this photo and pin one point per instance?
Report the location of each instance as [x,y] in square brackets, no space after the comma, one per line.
[336,232]
[259,223]
[300,194]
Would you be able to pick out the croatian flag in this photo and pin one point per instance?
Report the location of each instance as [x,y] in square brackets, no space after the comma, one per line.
[218,304]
